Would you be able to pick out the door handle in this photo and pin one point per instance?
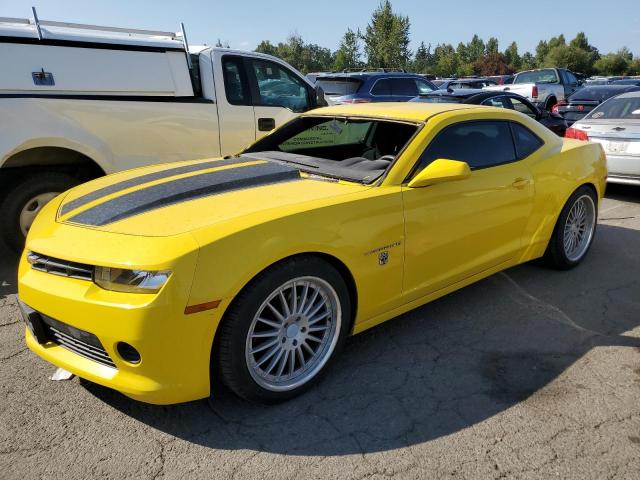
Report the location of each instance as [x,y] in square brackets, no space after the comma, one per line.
[520,183]
[266,124]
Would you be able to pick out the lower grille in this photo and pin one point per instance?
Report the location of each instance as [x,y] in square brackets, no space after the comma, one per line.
[78,341]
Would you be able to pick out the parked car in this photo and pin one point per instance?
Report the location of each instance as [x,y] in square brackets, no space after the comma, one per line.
[615,124]
[627,81]
[462,83]
[544,87]
[374,86]
[502,79]
[586,99]
[84,101]
[552,121]
[254,269]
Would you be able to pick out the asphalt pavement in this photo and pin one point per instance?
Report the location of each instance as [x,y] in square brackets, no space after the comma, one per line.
[531,373]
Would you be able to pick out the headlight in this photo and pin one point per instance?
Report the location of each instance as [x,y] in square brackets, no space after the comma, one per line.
[130,281]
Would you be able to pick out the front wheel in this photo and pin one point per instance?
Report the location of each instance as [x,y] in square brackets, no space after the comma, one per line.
[574,230]
[24,201]
[283,330]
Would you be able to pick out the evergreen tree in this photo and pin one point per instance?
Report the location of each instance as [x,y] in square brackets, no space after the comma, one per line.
[512,58]
[348,54]
[386,40]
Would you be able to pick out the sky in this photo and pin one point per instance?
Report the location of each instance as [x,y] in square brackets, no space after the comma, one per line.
[244,23]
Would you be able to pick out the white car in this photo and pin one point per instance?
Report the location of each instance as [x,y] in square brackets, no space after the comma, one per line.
[80,101]
[615,124]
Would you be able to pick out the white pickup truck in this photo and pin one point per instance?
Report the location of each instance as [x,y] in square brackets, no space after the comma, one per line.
[81,101]
[544,87]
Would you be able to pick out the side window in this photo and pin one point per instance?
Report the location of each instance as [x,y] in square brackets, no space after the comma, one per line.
[573,80]
[526,141]
[563,76]
[481,144]
[236,86]
[423,87]
[495,102]
[278,87]
[403,87]
[382,87]
[522,107]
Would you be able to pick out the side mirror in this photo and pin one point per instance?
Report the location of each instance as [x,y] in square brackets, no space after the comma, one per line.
[320,100]
[440,171]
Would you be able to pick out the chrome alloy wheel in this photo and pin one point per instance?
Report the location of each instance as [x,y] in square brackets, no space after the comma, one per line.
[32,208]
[293,334]
[579,228]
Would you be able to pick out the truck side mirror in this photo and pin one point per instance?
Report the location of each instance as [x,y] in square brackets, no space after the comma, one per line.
[320,100]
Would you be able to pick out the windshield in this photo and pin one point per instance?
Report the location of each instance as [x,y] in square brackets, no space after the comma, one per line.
[628,108]
[537,76]
[339,86]
[354,149]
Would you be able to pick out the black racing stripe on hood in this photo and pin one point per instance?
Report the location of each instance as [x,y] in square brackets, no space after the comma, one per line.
[184,189]
[149,177]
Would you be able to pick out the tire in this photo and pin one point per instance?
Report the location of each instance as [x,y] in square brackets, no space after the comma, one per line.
[241,332]
[25,199]
[562,252]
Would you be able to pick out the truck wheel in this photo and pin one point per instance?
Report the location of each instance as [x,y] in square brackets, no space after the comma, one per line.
[283,330]
[24,201]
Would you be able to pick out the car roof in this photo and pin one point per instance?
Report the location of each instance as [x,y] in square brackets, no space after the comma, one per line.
[407,111]
[365,75]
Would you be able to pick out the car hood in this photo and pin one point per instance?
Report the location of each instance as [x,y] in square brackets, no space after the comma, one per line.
[172,199]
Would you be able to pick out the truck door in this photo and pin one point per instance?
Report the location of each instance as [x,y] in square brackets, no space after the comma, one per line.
[235,109]
[279,94]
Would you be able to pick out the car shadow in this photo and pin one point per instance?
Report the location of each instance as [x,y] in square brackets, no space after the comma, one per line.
[436,370]
[623,193]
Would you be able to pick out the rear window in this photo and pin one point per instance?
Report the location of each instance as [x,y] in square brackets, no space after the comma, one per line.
[437,99]
[628,108]
[339,86]
[598,93]
[539,76]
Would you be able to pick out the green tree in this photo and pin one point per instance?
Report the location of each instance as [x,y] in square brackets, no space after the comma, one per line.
[219,44]
[528,61]
[475,49]
[348,54]
[386,40]
[618,63]
[424,61]
[541,51]
[267,47]
[492,46]
[512,58]
[446,60]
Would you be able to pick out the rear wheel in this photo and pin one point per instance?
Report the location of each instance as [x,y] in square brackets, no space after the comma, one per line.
[25,200]
[283,330]
[574,230]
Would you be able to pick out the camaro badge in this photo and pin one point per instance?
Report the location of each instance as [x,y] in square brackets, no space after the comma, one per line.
[383,258]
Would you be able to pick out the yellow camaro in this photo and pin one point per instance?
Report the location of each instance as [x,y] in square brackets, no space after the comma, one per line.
[253,269]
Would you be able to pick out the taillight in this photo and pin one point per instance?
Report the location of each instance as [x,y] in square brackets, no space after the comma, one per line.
[556,107]
[534,92]
[576,133]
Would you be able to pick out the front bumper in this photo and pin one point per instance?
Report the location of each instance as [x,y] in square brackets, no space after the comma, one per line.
[175,348]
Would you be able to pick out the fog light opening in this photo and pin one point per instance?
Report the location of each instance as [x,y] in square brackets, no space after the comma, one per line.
[128,353]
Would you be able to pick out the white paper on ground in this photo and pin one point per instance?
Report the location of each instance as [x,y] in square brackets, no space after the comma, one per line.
[61,374]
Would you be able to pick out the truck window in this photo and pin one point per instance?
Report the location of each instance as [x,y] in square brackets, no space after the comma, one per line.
[236,86]
[548,75]
[278,87]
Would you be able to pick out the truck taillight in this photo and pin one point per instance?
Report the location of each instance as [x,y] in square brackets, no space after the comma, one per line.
[576,133]
[534,92]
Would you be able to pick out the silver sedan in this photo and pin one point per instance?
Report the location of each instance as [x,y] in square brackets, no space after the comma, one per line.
[615,124]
